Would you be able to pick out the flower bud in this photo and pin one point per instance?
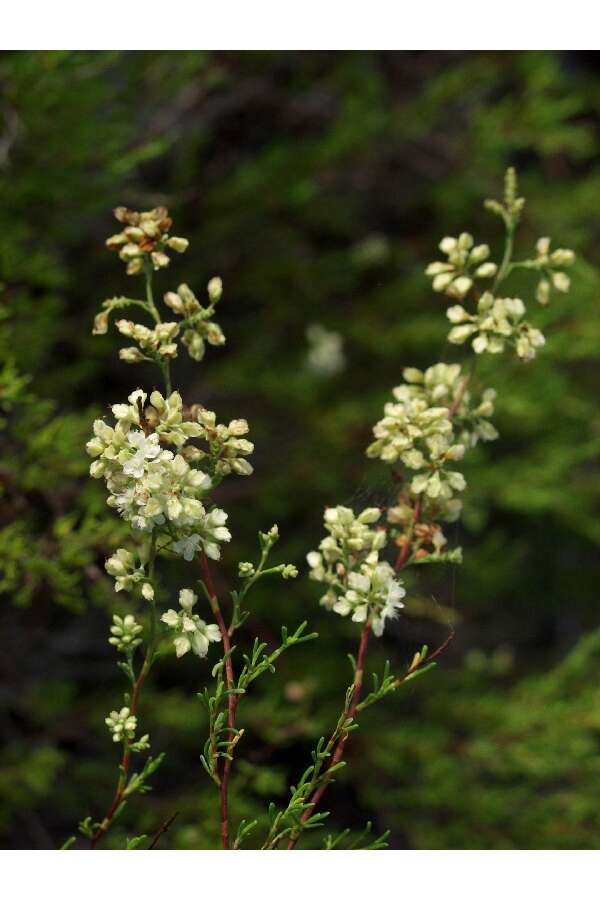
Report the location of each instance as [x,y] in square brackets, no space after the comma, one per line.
[174,302]
[126,327]
[178,244]
[479,253]
[101,323]
[160,260]
[543,246]
[457,314]
[131,355]
[562,257]
[487,270]
[447,245]
[561,281]
[441,282]
[215,289]
[542,293]
[460,286]
[460,333]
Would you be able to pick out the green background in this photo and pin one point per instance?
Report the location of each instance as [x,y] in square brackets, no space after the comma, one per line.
[317,185]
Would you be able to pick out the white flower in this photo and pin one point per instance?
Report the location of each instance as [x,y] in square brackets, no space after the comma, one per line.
[194,634]
[373,589]
[213,530]
[147,591]
[187,546]
[121,565]
[187,599]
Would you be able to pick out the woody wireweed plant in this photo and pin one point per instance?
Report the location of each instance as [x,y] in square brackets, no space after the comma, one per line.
[163,460]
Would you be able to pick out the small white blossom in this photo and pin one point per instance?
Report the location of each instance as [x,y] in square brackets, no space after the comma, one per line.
[187,546]
[192,632]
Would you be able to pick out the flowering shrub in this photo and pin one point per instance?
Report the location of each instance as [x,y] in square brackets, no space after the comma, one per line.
[162,461]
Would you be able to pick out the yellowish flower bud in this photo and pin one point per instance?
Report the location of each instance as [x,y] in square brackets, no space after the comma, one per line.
[215,289]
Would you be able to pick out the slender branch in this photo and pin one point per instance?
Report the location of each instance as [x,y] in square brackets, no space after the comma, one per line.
[506,259]
[352,710]
[232,699]
[164,364]
[163,828]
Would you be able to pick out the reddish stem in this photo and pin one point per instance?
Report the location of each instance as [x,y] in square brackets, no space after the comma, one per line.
[232,699]
[460,394]
[341,744]
[404,551]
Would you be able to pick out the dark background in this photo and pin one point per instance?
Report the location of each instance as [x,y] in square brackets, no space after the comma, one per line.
[318,186]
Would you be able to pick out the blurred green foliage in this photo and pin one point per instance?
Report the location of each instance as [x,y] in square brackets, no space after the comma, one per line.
[317,185]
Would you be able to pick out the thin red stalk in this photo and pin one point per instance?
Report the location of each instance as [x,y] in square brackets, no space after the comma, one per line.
[404,551]
[124,767]
[232,699]
[459,395]
[339,750]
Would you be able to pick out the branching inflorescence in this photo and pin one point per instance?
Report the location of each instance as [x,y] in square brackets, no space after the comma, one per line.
[162,460]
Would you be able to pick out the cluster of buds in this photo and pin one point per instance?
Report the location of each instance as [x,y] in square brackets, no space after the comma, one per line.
[405,428]
[197,327]
[227,446]
[145,236]
[125,633]
[497,322]
[347,562]
[550,264]
[154,343]
[286,570]
[465,263]
[123,568]
[192,632]
[121,724]
[350,539]
[445,385]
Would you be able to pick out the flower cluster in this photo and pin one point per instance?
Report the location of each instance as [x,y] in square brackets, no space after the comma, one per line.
[192,632]
[422,438]
[444,385]
[465,263]
[145,235]
[347,561]
[373,589]
[151,486]
[550,263]
[154,343]
[498,321]
[406,428]
[121,724]
[196,325]
[124,633]
[123,568]
[227,446]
